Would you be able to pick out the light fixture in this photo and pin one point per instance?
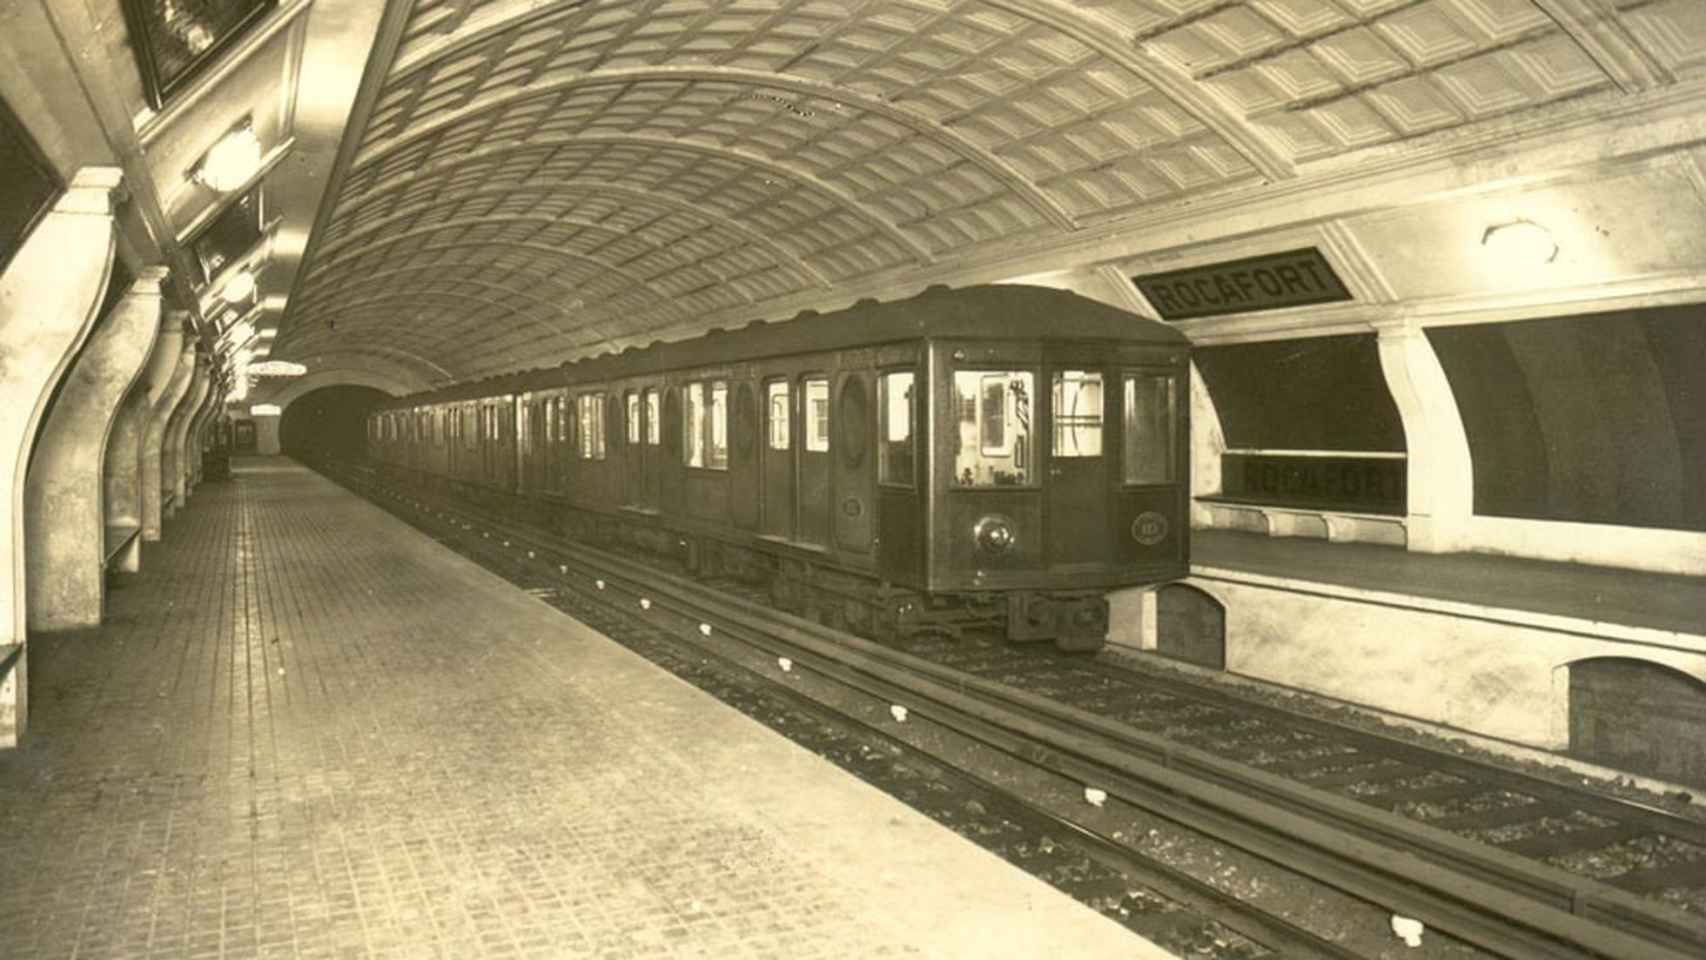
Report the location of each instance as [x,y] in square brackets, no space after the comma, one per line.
[239,288]
[276,368]
[232,161]
[1520,242]
[265,410]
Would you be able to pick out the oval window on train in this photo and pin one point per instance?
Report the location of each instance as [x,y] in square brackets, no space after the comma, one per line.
[746,421]
[855,416]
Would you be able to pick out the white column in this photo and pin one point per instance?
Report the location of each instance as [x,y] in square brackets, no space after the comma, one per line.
[176,457]
[64,514]
[155,484]
[122,465]
[1440,476]
[49,296]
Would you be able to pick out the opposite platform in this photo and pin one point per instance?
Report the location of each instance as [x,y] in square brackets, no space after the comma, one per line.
[309,731]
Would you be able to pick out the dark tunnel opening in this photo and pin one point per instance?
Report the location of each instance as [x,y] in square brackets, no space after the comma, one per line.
[328,424]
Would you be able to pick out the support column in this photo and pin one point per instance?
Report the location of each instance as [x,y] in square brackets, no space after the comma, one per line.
[1440,477]
[64,516]
[49,295]
[209,417]
[174,460]
[154,441]
[123,465]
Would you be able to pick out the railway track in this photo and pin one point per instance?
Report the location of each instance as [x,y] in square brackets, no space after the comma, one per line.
[1307,795]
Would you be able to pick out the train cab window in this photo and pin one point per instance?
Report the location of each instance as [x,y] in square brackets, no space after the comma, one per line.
[894,405]
[995,427]
[654,419]
[776,402]
[1077,414]
[707,427]
[591,420]
[633,409]
[1151,416]
[817,416]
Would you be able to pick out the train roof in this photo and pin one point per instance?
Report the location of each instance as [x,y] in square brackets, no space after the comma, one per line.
[993,311]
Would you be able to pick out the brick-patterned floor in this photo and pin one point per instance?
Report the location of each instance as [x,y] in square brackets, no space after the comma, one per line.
[308,731]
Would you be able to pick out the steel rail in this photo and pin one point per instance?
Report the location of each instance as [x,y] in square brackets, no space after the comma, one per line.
[1485,896]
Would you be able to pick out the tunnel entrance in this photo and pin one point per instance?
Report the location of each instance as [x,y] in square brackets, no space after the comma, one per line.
[1190,626]
[1640,717]
[328,424]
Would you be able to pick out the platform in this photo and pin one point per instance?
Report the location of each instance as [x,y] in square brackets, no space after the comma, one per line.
[309,731]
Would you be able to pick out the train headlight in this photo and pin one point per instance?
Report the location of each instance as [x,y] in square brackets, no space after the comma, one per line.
[994,534]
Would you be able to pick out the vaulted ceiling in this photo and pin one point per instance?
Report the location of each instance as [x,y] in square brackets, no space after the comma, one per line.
[534,181]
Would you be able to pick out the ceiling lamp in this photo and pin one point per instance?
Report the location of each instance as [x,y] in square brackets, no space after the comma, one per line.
[265,410]
[1520,243]
[231,162]
[276,368]
[239,288]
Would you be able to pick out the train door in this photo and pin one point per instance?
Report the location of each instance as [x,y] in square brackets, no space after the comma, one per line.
[813,470]
[851,471]
[671,480]
[633,450]
[651,414]
[778,456]
[1076,509]
[744,467]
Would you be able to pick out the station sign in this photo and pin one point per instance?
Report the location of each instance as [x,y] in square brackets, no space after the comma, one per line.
[1295,278]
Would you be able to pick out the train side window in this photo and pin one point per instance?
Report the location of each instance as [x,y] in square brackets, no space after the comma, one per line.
[1077,413]
[894,406]
[717,445]
[633,409]
[591,407]
[654,418]
[1151,415]
[817,416]
[707,427]
[995,427]
[777,405]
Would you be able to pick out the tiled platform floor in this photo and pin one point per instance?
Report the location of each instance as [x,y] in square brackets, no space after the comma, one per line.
[308,731]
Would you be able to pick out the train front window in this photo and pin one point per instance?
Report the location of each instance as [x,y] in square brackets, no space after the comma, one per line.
[894,454]
[994,408]
[1077,414]
[1151,414]
[777,403]
[817,416]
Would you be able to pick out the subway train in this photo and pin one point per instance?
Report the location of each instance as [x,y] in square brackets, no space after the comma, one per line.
[992,456]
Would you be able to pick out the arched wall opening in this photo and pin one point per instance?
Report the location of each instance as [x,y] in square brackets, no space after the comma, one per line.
[329,423]
[1639,716]
[1190,625]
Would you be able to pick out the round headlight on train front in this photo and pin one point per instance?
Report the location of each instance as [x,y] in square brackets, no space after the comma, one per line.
[994,534]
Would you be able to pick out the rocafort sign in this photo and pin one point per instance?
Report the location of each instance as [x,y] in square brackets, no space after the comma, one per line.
[1292,279]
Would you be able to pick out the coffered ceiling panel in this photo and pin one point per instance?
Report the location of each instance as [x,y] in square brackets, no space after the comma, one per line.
[535,181]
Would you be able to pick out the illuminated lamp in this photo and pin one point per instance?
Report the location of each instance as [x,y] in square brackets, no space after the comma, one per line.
[276,368]
[1520,242]
[231,161]
[239,288]
[265,410]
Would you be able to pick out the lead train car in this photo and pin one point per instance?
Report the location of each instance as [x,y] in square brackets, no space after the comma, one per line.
[997,454]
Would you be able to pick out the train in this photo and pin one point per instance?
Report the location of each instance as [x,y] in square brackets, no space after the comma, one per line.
[997,456]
